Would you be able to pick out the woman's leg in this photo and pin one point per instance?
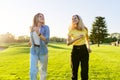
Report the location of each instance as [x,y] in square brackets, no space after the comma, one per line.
[33,64]
[74,63]
[84,63]
[43,66]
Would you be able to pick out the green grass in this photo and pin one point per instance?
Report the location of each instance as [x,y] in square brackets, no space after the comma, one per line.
[104,63]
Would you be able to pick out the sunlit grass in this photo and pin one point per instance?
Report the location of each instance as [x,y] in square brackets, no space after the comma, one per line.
[104,62]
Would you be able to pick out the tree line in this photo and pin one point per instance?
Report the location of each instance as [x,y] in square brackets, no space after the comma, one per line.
[10,38]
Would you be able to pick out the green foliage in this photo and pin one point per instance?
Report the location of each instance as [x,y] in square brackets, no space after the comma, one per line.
[10,38]
[99,30]
[104,62]
[109,40]
[7,38]
[57,39]
[115,35]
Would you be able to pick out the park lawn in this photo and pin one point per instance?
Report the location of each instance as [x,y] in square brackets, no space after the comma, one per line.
[104,62]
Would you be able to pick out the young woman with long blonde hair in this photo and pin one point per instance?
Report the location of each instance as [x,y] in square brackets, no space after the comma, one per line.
[39,37]
[78,37]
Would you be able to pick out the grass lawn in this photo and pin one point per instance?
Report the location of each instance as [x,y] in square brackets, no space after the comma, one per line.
[104,63]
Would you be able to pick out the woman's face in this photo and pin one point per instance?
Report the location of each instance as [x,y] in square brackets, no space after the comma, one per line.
[41,18]
[75,19]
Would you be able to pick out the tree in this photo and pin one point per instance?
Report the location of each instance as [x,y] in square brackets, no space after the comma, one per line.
[57,39]
[7,38]
[99,30]
[116,35]
[23,38]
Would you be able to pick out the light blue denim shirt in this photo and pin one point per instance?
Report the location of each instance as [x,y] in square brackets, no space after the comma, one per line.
[43,44]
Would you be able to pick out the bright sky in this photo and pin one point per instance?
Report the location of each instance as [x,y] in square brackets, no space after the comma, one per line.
[16,15]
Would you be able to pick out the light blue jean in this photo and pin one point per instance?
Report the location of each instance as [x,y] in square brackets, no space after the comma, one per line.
[36,57]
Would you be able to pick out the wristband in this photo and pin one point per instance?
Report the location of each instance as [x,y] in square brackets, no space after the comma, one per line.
[39,34]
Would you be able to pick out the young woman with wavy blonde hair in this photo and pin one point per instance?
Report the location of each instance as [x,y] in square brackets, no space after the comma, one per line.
[78,38]
[39,37]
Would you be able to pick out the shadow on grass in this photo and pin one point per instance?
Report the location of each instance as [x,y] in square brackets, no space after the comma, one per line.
[58,47]
[3,48]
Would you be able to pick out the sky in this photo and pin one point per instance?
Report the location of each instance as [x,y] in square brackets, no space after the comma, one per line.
[16,16]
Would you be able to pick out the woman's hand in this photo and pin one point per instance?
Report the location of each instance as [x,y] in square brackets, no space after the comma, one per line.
[80,36]
[70,41]
[29,43]
[31,29]
[37,31]
[89,50]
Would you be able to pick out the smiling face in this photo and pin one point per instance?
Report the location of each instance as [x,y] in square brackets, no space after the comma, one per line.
[77,22]
[75,19]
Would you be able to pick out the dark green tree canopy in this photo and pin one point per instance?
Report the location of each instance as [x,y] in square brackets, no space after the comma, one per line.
[99,30]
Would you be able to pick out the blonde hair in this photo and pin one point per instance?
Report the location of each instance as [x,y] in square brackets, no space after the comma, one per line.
[35,20]
[79,26]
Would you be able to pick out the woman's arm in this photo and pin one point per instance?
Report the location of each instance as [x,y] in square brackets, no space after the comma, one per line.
[70,41]
[87,42]
[29,43]
[31,30]
[45,37]
[42,37]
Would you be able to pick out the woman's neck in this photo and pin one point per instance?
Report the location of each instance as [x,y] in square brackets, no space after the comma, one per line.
[39,25]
